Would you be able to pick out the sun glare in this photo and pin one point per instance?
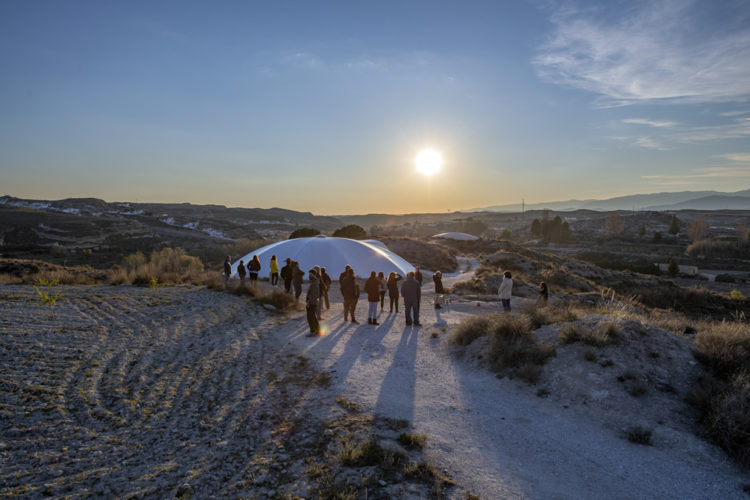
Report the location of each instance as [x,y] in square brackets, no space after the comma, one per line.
[428,161]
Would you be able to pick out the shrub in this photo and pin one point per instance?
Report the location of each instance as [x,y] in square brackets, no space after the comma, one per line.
[168,265]
[724,349]
[512,344]
[471,329]
[638,435]
[570,333]
[412,440]
[281,300]
[304,232]
[555,313]
[370,453]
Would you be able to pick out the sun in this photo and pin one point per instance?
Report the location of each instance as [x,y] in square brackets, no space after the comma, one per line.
[429,161]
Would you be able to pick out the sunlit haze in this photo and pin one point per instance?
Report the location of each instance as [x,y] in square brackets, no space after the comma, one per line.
[324,106]
[428,161]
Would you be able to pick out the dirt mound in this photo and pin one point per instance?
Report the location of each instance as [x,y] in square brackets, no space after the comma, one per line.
[429,255]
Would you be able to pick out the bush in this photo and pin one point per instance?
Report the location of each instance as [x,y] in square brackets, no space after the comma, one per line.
[168,265]
[281,300]
[512,342]
[723,400]
[639,435]
[351,231]
[304,232]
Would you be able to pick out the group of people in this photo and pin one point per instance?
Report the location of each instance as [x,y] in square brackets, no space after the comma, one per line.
[375,287]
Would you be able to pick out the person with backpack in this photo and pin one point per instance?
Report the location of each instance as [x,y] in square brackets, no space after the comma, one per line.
[412,293]
[392,285]
[298,276]
[372,289]
[253,268]
[350,292]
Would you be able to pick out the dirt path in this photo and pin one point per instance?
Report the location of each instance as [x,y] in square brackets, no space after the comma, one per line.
[496,436]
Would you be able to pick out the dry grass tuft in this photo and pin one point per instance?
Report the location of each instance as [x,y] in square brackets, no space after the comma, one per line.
[512,343]
[723,398]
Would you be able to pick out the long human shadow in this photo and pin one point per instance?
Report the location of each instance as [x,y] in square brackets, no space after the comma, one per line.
[397,392]
[364,339]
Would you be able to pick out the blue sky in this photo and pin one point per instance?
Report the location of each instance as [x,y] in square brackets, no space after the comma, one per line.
[322,106]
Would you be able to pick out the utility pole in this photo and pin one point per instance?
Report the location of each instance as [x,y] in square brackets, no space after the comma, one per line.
[523,206]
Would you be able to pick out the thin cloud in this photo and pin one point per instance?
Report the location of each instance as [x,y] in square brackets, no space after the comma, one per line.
[650,123]
[654,51]
[737,157]
[650,143]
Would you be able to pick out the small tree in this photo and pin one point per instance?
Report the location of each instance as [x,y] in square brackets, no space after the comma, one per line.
[304,232]
[614,225]
[674,225]
[506,234]
[742,231]
[536,228]
[657,237]
[642,230]
[473,226]
[697,230]
[673,268]
[351,231]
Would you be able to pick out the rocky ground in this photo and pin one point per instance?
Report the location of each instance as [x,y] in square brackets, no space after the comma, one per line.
[181,391]
[138,392]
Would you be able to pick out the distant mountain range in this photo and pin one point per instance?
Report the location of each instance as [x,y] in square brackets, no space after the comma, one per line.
[684,200]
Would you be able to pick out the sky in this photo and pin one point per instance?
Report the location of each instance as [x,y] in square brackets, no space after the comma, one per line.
[322,106]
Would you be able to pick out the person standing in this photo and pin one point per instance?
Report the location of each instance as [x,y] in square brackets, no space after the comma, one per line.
[439,290]
[412,294]
[322,286]
[383,288]
[241,272]
[372,289]
[350,292]
[287,275]
[418,276]
[327,282]
[298,276]
[274,271]
[543,295]
[253,268]
[227,270]
[392,285]
[504,292]
[311,303]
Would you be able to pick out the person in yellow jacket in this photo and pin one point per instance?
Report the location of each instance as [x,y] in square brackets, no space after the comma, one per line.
[274,271]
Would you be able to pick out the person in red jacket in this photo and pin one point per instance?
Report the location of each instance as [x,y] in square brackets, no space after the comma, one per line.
[372,289]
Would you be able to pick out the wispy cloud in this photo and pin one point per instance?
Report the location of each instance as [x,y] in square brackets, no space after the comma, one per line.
[649,143]
[651,51]
[738,157]
[650,123]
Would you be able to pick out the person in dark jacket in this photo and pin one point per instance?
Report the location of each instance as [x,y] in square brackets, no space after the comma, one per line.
[241,272]
[372,289]
[286,275]
[439,290]
[350,292]
[227,270]
[326,279]
[298,276]
[418,276]
[392,285]
[412,293]
[253,268]
[311,303]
